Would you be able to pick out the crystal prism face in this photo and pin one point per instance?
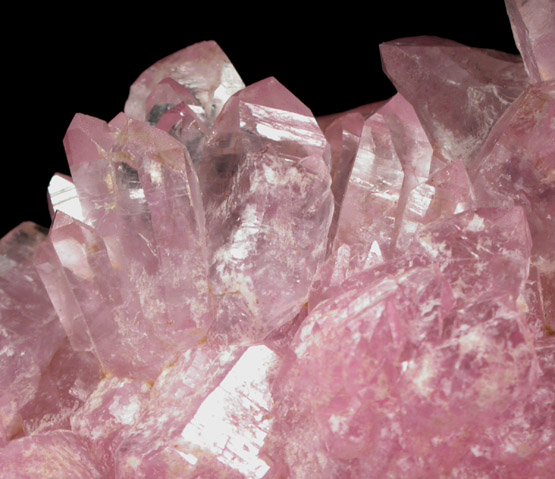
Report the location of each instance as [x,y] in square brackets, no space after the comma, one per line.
[232,288]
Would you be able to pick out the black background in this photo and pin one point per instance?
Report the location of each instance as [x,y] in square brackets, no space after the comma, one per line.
[60,62]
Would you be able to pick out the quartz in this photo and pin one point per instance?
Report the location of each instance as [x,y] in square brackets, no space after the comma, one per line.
[231,287]
[516,166]
[266,188]
[458,92]
[533,24]
[51,455]
[203,69]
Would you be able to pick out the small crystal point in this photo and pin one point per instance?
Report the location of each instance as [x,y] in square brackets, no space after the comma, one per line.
[202,68]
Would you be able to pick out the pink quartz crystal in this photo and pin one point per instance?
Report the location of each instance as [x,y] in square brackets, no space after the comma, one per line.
[227,291]
[533,24]
[516,166]
[458,92]
[268,203]
[52,455]
[31,333]
[203,69]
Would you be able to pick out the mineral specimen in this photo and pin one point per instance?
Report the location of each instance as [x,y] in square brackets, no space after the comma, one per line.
[232,288]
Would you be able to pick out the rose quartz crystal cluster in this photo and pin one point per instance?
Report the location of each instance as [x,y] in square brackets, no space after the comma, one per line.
[231,288]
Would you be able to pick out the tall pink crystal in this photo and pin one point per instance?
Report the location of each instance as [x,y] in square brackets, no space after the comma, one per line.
[458,92]
[31,333]
[533,24]
[266,190]
[140,195]
[371,189]
[343,135]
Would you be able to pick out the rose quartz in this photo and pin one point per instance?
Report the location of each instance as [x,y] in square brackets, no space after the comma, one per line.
[203,69]
[371,190]
[152,445]
[266,190]
[516,445]
[447,192]
[458,92]
[343,135]
[199,310]
[404,364]
[187,126]
[533,24]
[108,415]
[30,331]
[65,384]
[365,110]
[166,95]
[52,455]
[141,198]
[516,166]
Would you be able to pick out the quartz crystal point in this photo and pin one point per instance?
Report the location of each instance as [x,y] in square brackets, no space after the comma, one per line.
[184,124]
[30,332]
[516,166]
[393,156]
[266,190]
[458,92]
[105,310]
[343,135]
[144,236]
[203,69]
[374,166]
[533,24]
[365,110]
[166,95]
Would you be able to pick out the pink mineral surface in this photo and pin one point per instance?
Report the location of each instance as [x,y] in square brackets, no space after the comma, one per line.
[233,288]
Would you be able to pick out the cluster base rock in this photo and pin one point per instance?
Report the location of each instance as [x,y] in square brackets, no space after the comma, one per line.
[232,288]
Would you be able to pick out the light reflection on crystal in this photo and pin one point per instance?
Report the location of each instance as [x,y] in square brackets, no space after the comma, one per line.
[63,196]
[233,421]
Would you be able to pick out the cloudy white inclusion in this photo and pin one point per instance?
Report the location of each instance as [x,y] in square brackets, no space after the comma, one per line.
[232,423]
